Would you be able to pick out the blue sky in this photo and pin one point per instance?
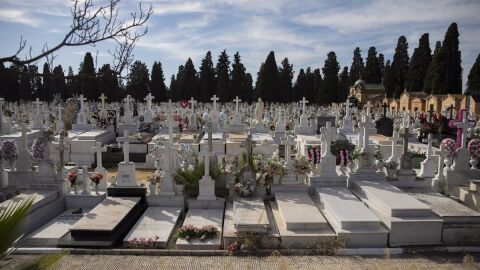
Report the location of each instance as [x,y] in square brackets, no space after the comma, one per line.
[303,31]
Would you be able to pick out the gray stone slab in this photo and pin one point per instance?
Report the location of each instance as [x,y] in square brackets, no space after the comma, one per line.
[156,222]
[299,212]
[250,215]
[199,218]
[41,198]
[107,215]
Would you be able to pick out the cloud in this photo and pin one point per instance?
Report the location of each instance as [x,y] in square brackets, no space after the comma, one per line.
[18,16]
[174,7]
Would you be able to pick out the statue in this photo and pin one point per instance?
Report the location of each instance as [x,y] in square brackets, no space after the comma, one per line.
[259,111]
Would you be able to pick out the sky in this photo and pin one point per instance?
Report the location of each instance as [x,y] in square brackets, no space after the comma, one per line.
[304,31]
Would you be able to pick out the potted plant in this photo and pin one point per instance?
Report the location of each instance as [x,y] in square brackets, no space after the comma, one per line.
[153,180]
[302,167]
[96,177]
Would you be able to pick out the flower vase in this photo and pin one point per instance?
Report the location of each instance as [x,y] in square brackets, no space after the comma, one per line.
[473,163]
[153,189]
[302,178]
[379,165]
[75,189]
[448,163]
[12,165]
[96,189]
[276,179]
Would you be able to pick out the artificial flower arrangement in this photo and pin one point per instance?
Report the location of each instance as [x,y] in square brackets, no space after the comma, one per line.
[9,150]
[258,162]
[301,164]
[38,149]
[450,146]
[236,166]
[143,242]
[72,178]
[153,179]
[473,147]
[96,177]
[246,190]
[314,153]
[391,165]
[274,165]
[343,157]
[190,231]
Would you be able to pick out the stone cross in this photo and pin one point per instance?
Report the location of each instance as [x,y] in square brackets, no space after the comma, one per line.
[236,100]
[61,150]
[209,131]
[429,141]
[404,136]
[214,99]
[465,125]
[170,126]
[440,176]
[127,103]
[248,145]
[149,99]
[394,139]
[37,103]
[327,134]
[103,98]
[347,108]
[99,149]
[430,113]
[304,102]
[368,106]
[192,103]
[126,146]
[82,102]
[206,159]
[288,145]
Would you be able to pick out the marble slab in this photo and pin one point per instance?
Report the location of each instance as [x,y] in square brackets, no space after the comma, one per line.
[250,215]
[199,218]
[156,222]
[40,198]
[299,212]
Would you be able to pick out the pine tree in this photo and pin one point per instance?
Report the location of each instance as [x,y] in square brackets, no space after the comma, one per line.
[317,84]
[432,71]
[473,83]
[157,83]
[188,82]
[47,93]
[137,85]
[388,80]
[208,85]
[449,66]
[299,88]
[343,84]
[58,81]
[248,88]
[357,68]
[419,63]
[87,78]
[373,70]
[286,77]
[238,78]
[222,71]
[400,65]
[330,87]
[270,79]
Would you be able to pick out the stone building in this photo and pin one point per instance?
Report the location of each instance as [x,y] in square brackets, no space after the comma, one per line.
[363,92]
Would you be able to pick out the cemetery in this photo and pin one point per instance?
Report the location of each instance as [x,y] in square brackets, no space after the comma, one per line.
[112,158]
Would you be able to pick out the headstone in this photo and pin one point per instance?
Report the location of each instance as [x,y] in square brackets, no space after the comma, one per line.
[439,181]
[99,149]
[126,170]
[428,166]
[37,116]
[206,186]
[148,114]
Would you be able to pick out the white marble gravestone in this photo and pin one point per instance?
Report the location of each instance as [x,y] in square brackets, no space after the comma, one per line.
[126,176]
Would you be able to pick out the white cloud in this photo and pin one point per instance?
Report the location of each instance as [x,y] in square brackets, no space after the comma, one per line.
[18,16]
[174,7]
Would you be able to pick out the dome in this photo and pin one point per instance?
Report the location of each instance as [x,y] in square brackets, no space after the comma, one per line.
[360,82]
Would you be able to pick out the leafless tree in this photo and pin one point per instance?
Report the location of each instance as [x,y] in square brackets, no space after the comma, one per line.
[92,24]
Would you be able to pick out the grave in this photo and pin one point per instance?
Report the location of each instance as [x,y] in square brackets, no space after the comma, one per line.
[351,220]
[409,221]
[470,196]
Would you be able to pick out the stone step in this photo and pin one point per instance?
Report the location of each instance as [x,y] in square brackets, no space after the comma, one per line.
[299,212]
[249,215]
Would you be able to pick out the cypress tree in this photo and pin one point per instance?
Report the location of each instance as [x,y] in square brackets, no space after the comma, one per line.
[317,84]
[388,80]
[47,92]
[108,84]
[157,83]
[270,79]
[25,87]
[343,84]
[286,77]
[400,65]
[299,89]
[188,82]
[72,83]
[449,65]
[473,83]
[373,71]
[87,78]
[258,90]
[330,87]
[58,82]
[419,63]
[238,77]
[137,85]
[432,71]
[381,62]
[357,68]
[223,77]
[248,88]
[172,88]
[309,86]
[207,79]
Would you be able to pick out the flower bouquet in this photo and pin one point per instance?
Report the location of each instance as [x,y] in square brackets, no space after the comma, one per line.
[9,150]
[96,177]
[188,232]
[473,147]
[301,164]
[343,157]
[72,178]
[450,146]
[258,162]
[274,165]
[236,167]
[38,149]
[245,190]
[143,242]
[208,231]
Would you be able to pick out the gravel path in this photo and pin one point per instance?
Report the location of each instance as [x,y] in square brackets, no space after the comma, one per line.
[106,262]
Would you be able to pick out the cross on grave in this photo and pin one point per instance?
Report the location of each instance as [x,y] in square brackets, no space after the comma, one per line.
[206,159]
[464,125]
[236,100]
[368,106]
[430,113]
[394,139]
[404,135]
[192,103]
[385,106]
[61,150]
[170,124]
[59,110]
[98,150]
[149,99]
[37,103]
[126,146]
[440,176]
[209,131]
[82,102]
[214,99]
[103,98]
[288,145]
[405,160]
[248,145]
[303,102]
[347,108]
[430,140]
[127,103]
[451,111]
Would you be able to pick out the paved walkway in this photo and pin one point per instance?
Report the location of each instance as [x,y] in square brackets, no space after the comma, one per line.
[106,262]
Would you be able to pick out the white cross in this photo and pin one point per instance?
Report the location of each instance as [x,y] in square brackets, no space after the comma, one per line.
[465,126]
[347,108]
[440,177]
[288,145]
[127,103]
[103,98]
[99,149]
[192,103]
[37,103]
[368,105]
[236,100]
[82,100]
[206,159]
[394,139]
[59,109]
[430,140]
[149,99]
[126,146]
[214,99]
[303,102]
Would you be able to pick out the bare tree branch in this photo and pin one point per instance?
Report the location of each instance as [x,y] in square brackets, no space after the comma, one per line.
[90,25]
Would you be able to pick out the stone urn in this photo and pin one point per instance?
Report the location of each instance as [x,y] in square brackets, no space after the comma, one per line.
[474,162]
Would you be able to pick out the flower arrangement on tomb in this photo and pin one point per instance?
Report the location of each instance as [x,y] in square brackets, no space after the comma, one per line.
[236,166]
[153,179]
[343,157]
[208,231]
[274,165]
[450,146]
[72,178]
[160,117]
[258,162]
[473,147]
[355,154]
[188,231]
[96,177]
[245,190]
[9,150]
[391,165]
[314,153]
[143,242]
[378,154]
[38,149]
[301,164]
